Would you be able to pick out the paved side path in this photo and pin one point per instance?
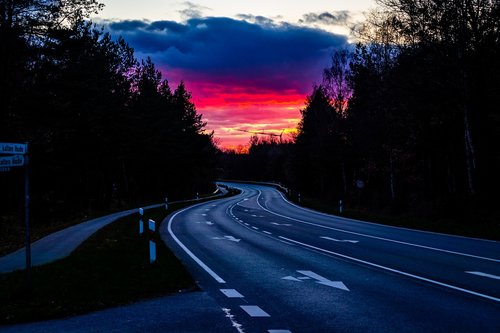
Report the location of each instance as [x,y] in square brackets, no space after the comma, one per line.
[189,313]
[59,244]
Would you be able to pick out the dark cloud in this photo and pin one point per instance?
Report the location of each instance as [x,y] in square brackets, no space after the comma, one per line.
[334,18]
[128,25]
[234,50]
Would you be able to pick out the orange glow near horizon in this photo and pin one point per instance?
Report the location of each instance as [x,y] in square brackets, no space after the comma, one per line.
[231,110]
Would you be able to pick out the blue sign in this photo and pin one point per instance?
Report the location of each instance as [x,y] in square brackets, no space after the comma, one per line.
[11,161]
[13,148]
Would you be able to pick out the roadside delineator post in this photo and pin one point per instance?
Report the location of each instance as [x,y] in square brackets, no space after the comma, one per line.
[166,203]
[152,242]
[299,198]
[340,206]
[141,222]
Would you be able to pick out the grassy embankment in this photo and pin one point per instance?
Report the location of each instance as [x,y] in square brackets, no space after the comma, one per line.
[480,224]
[111,268]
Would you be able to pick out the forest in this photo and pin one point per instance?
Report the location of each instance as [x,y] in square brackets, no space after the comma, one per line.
[405,122]
[105,130]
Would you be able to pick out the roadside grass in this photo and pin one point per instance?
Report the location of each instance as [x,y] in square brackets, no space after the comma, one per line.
[111,268]
[480,226]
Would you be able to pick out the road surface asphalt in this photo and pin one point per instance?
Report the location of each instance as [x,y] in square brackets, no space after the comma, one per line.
[276,267]
[266,265]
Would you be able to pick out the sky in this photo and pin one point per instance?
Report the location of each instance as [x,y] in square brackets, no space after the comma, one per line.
[248,64]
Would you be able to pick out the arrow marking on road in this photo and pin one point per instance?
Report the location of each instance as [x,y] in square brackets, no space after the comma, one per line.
[491,276]
[319,279]
[291,278]
[229,238]
[341,240]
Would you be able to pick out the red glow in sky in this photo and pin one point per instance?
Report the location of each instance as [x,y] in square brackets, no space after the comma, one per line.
[230,107]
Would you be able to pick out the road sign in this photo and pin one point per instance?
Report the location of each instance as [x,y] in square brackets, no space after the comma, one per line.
[11,161]
[13,148]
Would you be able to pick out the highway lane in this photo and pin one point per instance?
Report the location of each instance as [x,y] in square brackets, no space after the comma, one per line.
[275,267]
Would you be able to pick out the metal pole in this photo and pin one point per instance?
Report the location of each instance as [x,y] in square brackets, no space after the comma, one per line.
[27,215]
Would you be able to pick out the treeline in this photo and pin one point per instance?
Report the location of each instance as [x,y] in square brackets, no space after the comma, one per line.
[407,121]
[104,129]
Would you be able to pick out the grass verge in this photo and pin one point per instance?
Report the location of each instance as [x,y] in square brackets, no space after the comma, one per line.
[479,227]
[111,268]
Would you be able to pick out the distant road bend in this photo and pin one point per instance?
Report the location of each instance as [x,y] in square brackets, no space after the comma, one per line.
[275,267]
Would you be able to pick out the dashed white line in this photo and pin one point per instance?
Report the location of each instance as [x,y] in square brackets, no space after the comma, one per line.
[255,228]
[279,331]
[267,232]
[254,311]
[491,276]
[374,237]
[231,293]
[393,270]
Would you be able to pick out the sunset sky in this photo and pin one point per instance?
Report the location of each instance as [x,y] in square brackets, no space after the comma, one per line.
[248,64]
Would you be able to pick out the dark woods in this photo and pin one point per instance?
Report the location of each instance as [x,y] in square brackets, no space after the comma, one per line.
[408,121]
[105,131]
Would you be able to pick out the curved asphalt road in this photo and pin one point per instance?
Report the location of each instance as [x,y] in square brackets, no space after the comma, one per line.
[275,267]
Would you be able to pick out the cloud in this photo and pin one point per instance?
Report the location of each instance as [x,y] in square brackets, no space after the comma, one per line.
[334,18]
[192,10]
[264,53]
[246,73]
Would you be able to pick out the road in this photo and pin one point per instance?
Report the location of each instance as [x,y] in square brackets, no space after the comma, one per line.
[275,267]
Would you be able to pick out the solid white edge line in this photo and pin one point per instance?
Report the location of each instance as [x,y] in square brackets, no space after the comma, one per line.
[191,254]
[380,224]
[376,237]
[393,270]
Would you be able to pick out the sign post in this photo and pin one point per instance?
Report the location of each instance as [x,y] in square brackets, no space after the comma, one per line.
[19,157]
[27,216]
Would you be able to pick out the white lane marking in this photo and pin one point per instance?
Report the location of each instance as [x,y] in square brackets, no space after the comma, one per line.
[375,237]
[279,331]
[253,215]
[209,223]
[255,228]
[491,276]
[304,278]
[283,224]
[207,210]
[379,224]
[189,253]
[229,238]
[254,311]
[291,278]
[267,232]
[231,293]
[321,280]
[235,324]
[341,240]
[203,214]
[393,270]
[246,224]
